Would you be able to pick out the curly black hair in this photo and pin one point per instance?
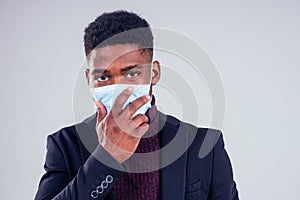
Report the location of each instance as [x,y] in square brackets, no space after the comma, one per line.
[118,27]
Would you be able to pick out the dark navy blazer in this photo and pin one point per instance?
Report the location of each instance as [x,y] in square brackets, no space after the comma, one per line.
[72,172]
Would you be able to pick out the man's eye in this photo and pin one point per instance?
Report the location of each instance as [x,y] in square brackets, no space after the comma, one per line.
[132,74]
[102,78]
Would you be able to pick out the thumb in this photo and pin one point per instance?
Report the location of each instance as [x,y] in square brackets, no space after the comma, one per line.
[101,111]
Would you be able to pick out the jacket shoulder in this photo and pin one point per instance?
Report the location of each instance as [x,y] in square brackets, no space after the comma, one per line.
[72,132]
[64,134]
[196,134]
[201,140]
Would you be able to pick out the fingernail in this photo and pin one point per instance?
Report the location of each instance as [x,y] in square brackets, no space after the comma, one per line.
[146,118]
[97,104]
[148,96]
[129,89]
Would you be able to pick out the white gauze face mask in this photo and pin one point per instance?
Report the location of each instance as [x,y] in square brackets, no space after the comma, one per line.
[108,94]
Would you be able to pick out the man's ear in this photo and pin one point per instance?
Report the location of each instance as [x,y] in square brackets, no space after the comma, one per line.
[87,76]
[155,72]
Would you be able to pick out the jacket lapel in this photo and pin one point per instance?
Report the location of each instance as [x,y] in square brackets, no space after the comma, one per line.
[173,139]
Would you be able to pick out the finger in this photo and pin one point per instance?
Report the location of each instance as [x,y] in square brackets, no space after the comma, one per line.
[135,105]
[101,111]
[140,131]
[139,119]
[120,101]
[132,124]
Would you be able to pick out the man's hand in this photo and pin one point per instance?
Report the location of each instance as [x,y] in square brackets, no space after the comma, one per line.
[117,132]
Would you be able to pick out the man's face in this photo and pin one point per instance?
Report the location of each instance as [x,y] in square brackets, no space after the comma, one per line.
[121,64]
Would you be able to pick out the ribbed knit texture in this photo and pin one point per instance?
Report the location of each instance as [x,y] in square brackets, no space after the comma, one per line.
[142,186]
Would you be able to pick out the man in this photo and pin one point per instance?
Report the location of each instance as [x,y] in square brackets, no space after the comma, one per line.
[102,157]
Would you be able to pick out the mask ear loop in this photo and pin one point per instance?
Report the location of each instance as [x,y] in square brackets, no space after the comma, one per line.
[150,82]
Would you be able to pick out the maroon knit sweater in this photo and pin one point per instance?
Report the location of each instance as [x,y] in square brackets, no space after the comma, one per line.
[142,186]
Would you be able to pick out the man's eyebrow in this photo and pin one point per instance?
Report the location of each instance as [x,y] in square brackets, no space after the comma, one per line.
[105,71]
[125,69]
[100,71]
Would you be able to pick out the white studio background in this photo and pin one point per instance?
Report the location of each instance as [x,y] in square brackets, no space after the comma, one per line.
[254,44]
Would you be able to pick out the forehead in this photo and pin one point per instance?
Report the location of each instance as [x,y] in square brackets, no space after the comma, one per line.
[118,55]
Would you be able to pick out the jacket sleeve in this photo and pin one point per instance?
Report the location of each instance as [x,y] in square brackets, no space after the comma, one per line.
[223,186]
[93,178]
